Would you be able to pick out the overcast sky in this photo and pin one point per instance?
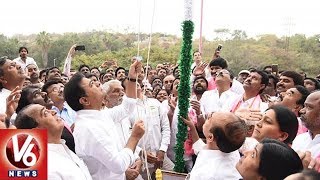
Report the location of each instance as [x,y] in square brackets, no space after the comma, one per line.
[281,17]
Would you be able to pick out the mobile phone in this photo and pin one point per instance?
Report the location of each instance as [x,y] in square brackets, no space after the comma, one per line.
[275,69]
[80,48]
[219,47]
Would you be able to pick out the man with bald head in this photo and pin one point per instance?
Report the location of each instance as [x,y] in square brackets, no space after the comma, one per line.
[310,116]
[62,162]
[225,134]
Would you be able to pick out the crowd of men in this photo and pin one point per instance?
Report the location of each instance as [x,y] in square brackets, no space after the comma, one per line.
[116,123]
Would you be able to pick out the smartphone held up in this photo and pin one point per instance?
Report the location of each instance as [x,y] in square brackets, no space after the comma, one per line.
[275,69]
[219,47]
[80,48]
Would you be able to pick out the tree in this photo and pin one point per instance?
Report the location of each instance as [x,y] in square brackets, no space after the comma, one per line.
[44,41]
[239,35]
[222,34]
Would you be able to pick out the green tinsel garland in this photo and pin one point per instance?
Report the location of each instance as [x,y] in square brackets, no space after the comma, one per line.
[184,92]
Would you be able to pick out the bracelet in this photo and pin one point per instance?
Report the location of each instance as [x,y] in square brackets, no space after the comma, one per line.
[132,80]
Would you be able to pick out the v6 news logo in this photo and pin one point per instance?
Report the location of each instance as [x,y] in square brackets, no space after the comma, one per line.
[24,154]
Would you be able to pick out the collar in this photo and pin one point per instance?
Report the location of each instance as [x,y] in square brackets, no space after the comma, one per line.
[65,106]
[315,137]
[214,153]
[57,146]
[4,90]
[88,112]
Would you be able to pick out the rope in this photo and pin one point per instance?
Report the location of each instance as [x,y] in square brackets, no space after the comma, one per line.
[150,37]
[146,73]
[144,88]
[138,51]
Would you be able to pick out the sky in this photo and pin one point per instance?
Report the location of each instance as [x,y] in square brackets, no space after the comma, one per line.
[256,17]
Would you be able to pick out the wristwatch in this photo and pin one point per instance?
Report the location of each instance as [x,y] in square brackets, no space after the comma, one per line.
[132,80]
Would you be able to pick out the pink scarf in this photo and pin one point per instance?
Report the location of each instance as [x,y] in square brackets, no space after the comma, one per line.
[255,103]
[211,84]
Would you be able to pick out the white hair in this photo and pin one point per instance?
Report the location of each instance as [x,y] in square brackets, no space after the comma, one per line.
[107,85]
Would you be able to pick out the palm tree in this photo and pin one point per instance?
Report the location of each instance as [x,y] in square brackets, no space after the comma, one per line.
[44,41]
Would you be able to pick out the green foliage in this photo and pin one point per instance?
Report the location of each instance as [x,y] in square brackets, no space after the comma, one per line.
[183,102]
[44,41]
[297,52]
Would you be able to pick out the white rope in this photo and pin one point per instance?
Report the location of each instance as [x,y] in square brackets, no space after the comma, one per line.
[149,45]
[138,51]
[144,87]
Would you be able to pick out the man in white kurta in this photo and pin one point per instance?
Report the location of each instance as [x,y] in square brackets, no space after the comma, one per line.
[23,60]
[95,132]
[114,97]
[214,164]
[97,142]
[63,164]
[221,98]
[157,135]
[224,133]
[310,116]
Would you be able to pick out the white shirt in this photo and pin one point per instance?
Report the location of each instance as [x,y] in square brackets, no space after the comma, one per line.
[211,102]
[214,164]
[157,132]
[249,144]
[124,130]
[67,66]
[29,60]
[304,142]
[4,93]
[237,87]
[165,106]
[63,164]
[97,141]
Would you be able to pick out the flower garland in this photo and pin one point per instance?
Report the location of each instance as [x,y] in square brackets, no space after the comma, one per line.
[183,91]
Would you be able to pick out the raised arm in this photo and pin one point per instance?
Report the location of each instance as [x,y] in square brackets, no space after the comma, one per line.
[134,71]
[67,62]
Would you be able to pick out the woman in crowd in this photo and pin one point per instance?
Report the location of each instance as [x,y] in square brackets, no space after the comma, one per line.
[278,122]
[161,95]
[269,160]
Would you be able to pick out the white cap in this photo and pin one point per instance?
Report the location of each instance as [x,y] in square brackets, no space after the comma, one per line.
[244,72]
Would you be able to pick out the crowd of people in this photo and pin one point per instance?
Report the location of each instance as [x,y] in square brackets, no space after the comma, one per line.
[113,123]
